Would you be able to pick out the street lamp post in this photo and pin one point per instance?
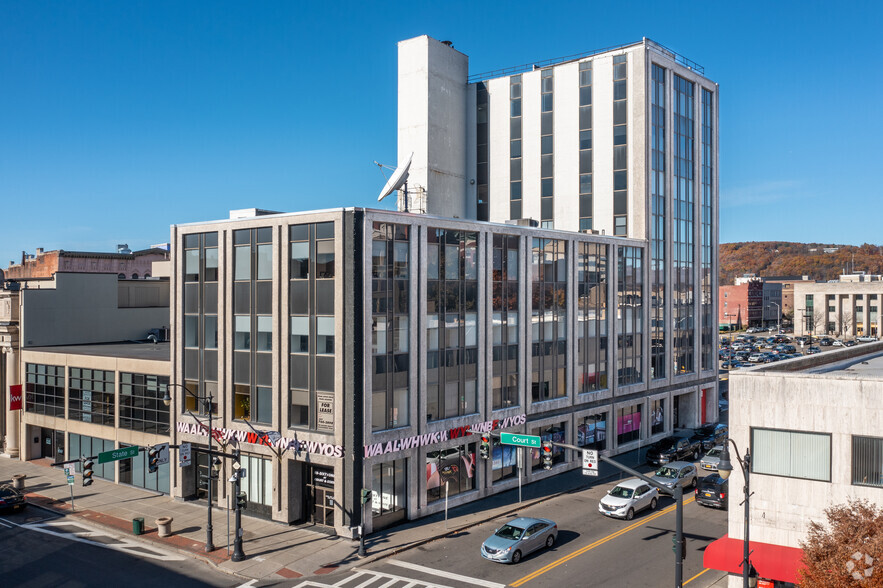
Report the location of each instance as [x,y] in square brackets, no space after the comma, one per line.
[724,468]
[215,463]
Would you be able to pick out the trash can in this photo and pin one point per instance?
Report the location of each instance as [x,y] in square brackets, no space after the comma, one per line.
[137,525]
[18,481]
[164,526]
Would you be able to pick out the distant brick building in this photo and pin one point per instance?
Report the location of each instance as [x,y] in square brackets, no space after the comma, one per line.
[751,303]
[126,264]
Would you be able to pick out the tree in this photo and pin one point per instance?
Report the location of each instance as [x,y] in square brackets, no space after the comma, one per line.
[846,324]
[848,551]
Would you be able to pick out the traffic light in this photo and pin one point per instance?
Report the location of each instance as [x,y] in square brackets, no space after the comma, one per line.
[87,471]
[241,500]
[152,459]
[547,455]
[485,448]
[366,495]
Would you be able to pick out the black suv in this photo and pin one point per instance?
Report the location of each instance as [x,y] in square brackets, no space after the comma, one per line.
[710,434]
[712,491]
[674,448]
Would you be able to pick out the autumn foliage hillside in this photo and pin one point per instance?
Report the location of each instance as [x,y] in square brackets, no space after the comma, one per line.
[778,258]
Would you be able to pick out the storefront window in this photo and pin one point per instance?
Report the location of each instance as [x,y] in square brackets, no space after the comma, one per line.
[591,433]
[82,445]
[657,416]
[258,484]
[628,424]
[450,471]
[388,488]
[134,471]
[505,461]
[554,433]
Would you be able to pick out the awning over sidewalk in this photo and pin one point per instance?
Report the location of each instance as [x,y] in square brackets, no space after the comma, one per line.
[773,562]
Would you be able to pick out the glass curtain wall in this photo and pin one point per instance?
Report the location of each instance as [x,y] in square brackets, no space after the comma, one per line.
[44,389]
[200,362]
[482,116]
[591,329]
[311,316]
[515,147]
[451,323]
[547,149]
[620,145]
[658,321]
[505,321]
[707,243]
[585,145]
[548,319]
[390,279]
[682,246]
[629,316]
[253,325]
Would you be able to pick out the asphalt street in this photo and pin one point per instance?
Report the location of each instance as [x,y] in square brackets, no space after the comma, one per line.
[40,549]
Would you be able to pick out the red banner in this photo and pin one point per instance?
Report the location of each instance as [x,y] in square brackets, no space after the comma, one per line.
[15,397]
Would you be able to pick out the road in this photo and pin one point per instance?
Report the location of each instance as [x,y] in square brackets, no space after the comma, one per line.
[592,550]
[40,549]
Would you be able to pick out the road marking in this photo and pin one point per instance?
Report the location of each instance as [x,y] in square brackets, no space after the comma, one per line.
[247,584]
[597,543]
[451,576]
[696,576]
[6,524]
[373,576]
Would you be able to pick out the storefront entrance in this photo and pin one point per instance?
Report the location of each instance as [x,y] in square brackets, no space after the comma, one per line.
[320,496]
[52,444]
[203,468]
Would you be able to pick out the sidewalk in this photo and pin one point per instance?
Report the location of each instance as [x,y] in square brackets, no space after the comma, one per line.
[274,551]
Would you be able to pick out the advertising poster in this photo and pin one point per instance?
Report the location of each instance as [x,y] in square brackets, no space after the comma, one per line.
[449,466]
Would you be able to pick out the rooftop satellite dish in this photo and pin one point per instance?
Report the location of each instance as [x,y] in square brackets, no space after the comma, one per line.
[398,179]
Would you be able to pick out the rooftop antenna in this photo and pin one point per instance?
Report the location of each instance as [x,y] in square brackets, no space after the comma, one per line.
[399,179]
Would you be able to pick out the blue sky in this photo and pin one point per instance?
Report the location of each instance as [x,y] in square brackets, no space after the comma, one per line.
[118,119]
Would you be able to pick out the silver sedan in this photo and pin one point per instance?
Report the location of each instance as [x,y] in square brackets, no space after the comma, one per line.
[519,537]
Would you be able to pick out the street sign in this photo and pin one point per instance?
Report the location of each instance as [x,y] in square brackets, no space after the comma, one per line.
[590,462]
[520,440]
[184,455]
[69,470]
[118,454]
[163,457]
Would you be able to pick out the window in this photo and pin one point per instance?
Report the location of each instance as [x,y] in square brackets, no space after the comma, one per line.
[585,145]
[452,323]
[592,337]
[253,324]
[630,316]
[482,106]
[547,156]
[554,433]
[504,460]
[390,308]
[311,325]
[389,488]
[44,389]
[658,325]
[515,147]
[200,328]
[683,262]
[867,461]
[548,319]
[620,139]
[628,423]
[450,471]
[657,416]
[792,454]
[92,396]
[591,433]
[505,321]
[141,405]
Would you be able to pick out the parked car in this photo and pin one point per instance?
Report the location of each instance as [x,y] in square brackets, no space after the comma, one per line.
[627,498]
[672,449]
[711,434]
[801,339]
[813,349]
[723,405]
[865,339]
[712,458]
[849,343]
[712,491]
[837,343]
[677,472]
[826,341]
[518,538]
[11,499]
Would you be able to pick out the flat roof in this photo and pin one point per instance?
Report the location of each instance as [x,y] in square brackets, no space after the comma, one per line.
[864,367]
[123,350]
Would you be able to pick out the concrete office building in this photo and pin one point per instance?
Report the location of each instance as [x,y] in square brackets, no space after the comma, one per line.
[88,386]
[813,426]
[847,308]
[366,343]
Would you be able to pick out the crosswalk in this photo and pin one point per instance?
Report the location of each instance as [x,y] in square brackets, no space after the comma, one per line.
[408,576]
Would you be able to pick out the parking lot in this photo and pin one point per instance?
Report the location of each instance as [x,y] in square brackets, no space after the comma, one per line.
[756,346]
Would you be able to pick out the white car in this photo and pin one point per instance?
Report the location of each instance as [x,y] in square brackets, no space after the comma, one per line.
[627,498]
[712,458]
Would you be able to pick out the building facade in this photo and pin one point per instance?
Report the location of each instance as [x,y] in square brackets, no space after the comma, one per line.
[750,303]
[124,263]
[356,349]
[847,308]
[813,428]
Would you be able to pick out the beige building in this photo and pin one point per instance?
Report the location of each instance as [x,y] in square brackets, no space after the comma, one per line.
[848,308]
[814,428]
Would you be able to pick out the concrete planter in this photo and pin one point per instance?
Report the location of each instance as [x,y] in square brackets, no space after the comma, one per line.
[164,526]
[18,481]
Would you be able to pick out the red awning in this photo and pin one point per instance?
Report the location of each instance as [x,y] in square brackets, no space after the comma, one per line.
[773,562]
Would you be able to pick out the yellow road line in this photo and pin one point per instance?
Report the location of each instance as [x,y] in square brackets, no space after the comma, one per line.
[597,543]
[696,576]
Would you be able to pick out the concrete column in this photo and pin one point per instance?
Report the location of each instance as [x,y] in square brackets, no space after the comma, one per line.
[12,416]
